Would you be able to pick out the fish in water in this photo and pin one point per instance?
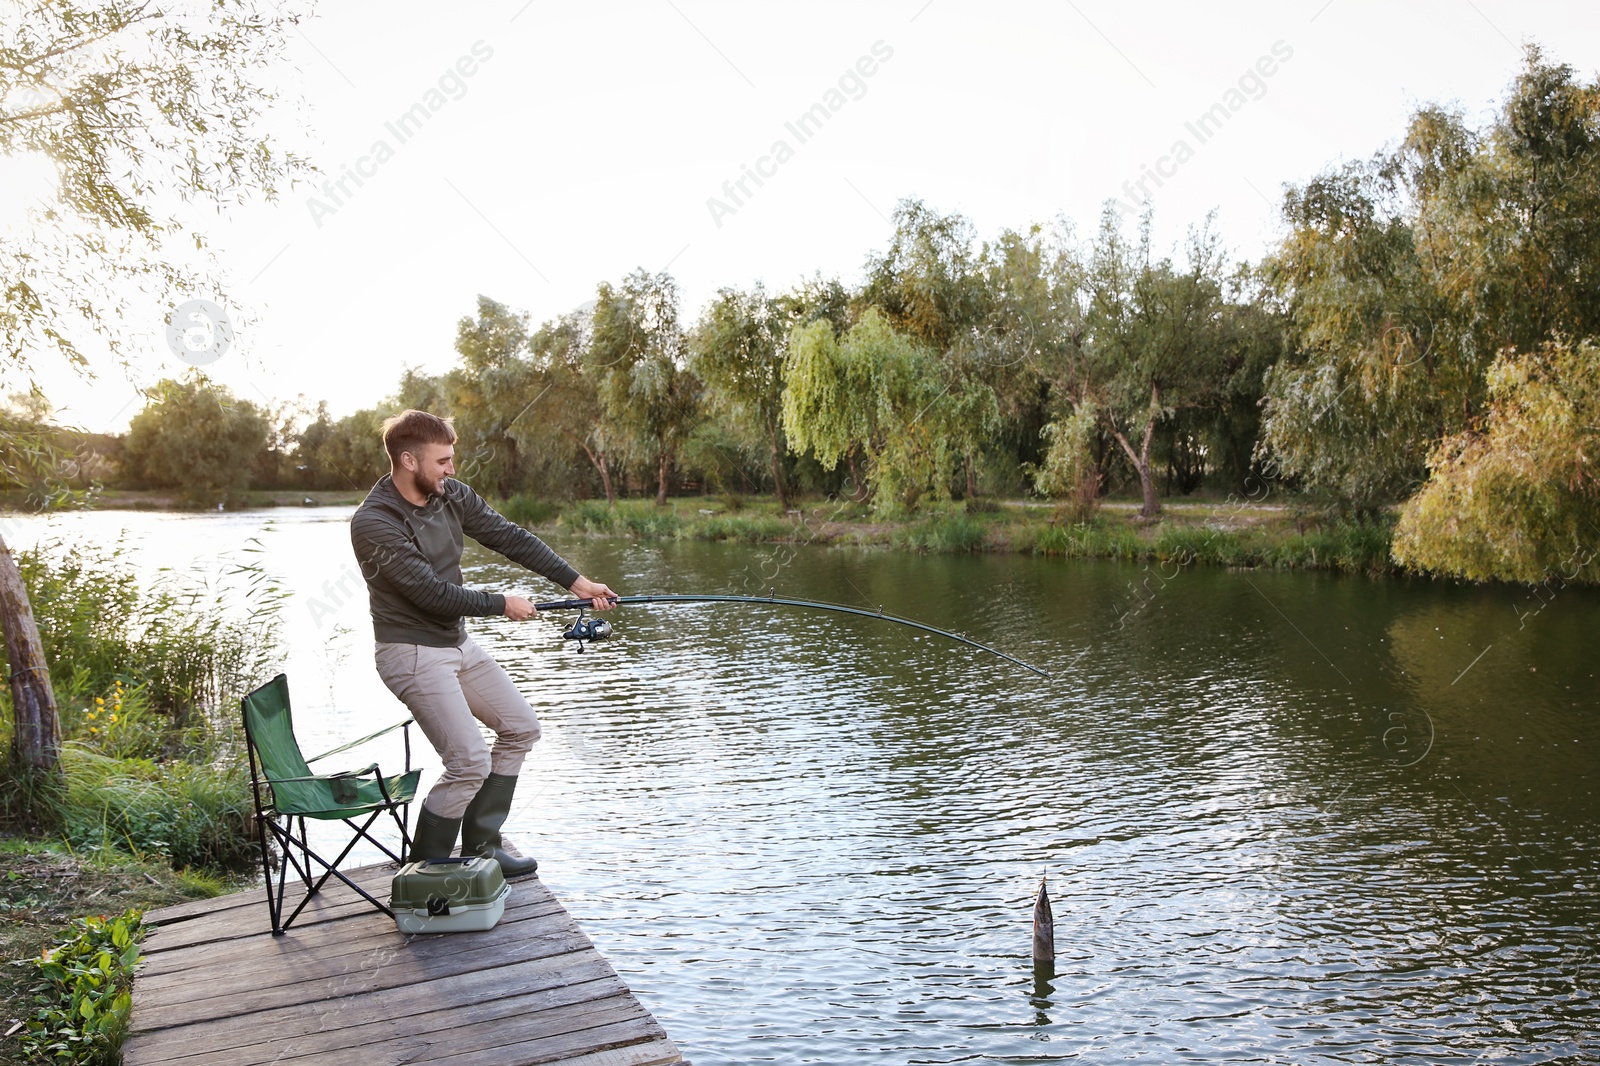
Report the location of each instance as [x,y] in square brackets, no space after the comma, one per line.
[1044,929]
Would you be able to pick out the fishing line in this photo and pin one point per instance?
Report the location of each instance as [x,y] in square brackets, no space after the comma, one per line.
[587,630]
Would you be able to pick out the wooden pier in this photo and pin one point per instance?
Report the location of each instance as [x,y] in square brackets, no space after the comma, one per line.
[343,985]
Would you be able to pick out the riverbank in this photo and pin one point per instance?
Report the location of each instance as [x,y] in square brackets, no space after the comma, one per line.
[44,888]
[1218,532]
[168,500]
[1224,533]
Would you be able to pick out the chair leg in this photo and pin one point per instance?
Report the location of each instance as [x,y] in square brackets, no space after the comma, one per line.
[266,869]
[332,870]
[296,852]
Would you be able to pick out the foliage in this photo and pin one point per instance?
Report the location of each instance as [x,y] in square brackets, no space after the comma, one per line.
[146,679]
[1406,274]
[489,394]
[1158,339]
[736,349]
[180,646]
[346,453]
[1069,469]
[1516,498]
[138,109]
[647,393]
[529,510]
[950,533]
[194,436]
[195,811]
[881,393]
[84,992]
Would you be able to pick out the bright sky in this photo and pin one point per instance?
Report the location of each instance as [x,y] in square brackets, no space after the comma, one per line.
[565,144]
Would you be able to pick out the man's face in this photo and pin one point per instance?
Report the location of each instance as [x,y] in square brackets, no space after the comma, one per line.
[435,462]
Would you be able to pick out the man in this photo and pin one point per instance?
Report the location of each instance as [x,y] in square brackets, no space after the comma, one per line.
[407,536]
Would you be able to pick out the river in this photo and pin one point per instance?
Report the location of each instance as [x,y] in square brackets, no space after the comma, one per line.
[1287,818]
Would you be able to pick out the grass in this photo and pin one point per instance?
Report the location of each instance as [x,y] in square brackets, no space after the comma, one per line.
[1220,533]
[152,760]
[44,888]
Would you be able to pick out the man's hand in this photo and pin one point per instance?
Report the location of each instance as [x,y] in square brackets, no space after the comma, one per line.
[603,597]
[519,609]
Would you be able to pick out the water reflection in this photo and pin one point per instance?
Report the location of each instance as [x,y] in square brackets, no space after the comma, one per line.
[1287,818]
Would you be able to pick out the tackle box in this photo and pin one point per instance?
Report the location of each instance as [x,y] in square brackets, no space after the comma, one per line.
[448,895]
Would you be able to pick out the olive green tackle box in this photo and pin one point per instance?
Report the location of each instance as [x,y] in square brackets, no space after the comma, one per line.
[448,895]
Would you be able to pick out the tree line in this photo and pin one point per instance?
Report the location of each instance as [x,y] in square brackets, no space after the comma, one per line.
[1422,335]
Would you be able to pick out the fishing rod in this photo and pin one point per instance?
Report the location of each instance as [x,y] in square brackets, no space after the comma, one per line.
[588,630]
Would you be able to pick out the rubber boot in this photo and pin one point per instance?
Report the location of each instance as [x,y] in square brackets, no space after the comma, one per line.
[435,837]
[480,826]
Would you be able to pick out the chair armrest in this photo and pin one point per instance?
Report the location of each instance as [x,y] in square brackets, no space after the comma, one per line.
[363,740]
[364,771]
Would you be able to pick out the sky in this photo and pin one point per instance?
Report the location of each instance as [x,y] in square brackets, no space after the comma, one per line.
[559,145]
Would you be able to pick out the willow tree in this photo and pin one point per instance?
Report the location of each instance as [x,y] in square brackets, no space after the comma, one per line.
[1517,498]
[489,394]
[637,359]
[137,110]
[567,406]
[1405,275]
[879,394]
[931,285]
[738,350]
[1156,341]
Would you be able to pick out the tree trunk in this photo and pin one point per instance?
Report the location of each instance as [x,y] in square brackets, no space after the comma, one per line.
[777,474]
[36,739]
[972,477]
[662,468]
[598,461]
[1141,463]
[1147,482]
[860,493]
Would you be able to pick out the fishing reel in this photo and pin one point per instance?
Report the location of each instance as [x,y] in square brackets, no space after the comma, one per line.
[586,630]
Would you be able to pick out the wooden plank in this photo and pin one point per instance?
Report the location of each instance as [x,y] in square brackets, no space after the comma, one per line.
[534,1051]
[217,988]
[334,902]
[364,876]
[326,941]
[507,1033]
[378,1008]
[373,942]
[272,1047]
[240,994]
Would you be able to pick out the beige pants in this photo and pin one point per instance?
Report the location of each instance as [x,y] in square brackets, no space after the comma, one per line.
[449,691]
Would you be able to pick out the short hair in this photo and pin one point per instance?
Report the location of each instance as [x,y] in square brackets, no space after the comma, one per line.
[408,430]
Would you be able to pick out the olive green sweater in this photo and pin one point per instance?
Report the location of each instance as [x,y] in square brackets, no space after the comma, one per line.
[411,558]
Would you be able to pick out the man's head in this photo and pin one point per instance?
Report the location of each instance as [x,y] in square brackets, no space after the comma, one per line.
[421,449]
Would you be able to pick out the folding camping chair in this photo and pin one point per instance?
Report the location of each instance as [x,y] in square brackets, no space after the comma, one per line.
[287,793]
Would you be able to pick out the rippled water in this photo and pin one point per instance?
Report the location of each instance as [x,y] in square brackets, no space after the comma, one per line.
[1285,818]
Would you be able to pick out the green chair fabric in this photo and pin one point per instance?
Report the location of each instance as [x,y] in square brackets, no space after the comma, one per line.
[287,792]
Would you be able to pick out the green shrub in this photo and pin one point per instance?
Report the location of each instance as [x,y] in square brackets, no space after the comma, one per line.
[981,505]
[526,509]
[748,529]
[944,533]
[656,522]
[146,683]
[85,992]
[196,813]
[590,516]
[181,643]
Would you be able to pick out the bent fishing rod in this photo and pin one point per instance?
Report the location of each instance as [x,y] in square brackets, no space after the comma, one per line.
[588,630]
